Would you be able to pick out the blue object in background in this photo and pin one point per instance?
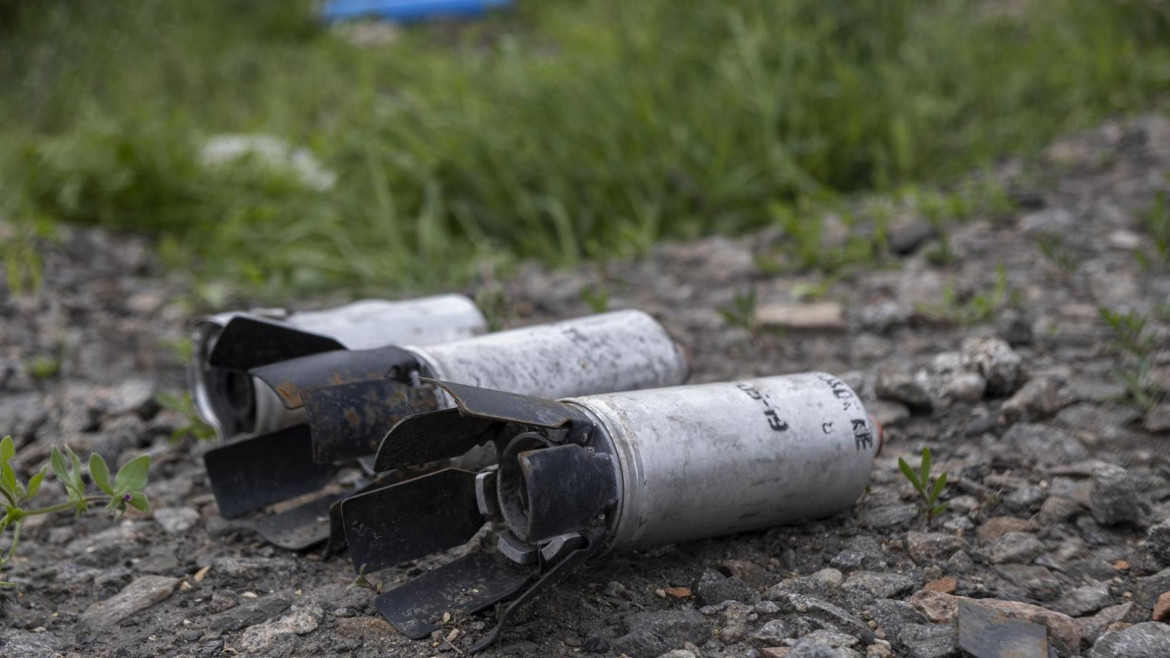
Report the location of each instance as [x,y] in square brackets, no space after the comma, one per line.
[408,11]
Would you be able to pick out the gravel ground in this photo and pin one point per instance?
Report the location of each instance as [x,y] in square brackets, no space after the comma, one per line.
[1058,480]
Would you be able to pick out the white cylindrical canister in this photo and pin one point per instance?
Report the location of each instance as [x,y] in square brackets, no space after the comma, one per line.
[708,460]
[618,351]
[233,402]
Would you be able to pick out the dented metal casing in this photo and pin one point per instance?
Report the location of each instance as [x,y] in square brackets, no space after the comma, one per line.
[622,350]
[234,403]
[602,473]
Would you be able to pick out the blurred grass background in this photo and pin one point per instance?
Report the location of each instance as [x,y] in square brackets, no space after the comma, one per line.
[562,130]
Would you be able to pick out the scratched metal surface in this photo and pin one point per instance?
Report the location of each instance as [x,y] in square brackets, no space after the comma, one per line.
[619,351]
[715,459]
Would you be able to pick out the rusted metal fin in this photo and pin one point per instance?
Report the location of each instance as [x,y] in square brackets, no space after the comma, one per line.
[301,527]
[292,376]
[463,587]
[412,519]
[428,437]
[247,342]
[551,576]
[252,473]
[509,407]
[349,420]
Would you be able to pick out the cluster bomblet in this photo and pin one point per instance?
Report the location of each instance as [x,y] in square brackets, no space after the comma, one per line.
[228,345]
[350,398]
[596,474]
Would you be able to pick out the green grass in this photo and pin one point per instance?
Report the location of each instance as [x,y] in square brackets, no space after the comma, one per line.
[560,131]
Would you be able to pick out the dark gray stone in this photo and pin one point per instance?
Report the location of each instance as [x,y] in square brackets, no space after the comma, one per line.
[906,239]
[1020,547]
[651,634]
[893,617]
[847,560]
[1114,497]
[259,611]
[1042,443]
[1014,328]
[595,644]
[1084,600]
[888,516]
[811,649]
[1147,640]
[714,588]
[1158,543]
[929,641]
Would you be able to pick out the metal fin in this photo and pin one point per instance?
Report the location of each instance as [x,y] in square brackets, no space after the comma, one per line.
[553,575]
[412,519]
[428,437]
[509,407]
[349,420]
[248,342]
[290,377]
[463,587]
[251,473]
[301,527]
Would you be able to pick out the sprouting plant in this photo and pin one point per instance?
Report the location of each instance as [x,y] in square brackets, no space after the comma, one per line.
[362,581]
[1157,221]
[492,300]
[44,367]
[977,308]
[742,312]
[597,297]
[1133,370]
[195,426]
[1129,329]
[125,490]
[1055,252]
[928,491]
[941,255]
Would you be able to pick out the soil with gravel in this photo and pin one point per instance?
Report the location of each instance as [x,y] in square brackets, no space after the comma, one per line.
[994,355]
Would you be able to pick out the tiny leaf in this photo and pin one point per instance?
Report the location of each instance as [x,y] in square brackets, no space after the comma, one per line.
[60,469]
[34,483]
[139,501]
[909,473]
[100,473]
[925,468]
[132,476]
[939,484]
[8,481]
[938,509]
[7,449]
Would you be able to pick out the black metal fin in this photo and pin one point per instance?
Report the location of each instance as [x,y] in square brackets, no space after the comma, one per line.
[252,473]
[348,421]
[567,487]
[463,587]
[301,527]
[505,407]
[428,437]
[292,376]
[553,575]
[247,342]
[411,519]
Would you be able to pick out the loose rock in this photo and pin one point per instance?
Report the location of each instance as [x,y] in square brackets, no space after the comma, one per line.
[138,595]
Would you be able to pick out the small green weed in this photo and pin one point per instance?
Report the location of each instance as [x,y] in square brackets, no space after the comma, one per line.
[1137,345]
[195,426]
[941,255]
[928,490]
[742,312]
[44,367]
[977,308]
[597,297]
[493,301]
[125,490]
[1129,330]
[1055,252]
[1157,222]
